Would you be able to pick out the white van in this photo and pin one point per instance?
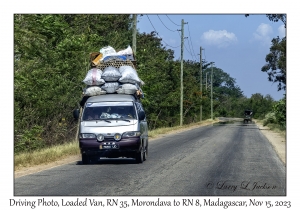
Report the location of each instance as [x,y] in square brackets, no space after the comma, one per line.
[112,126]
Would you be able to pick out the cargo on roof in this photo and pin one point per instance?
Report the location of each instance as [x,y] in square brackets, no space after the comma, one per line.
[112,73]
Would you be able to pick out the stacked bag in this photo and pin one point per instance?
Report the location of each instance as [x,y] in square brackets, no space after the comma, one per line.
[93,81]
[123,80]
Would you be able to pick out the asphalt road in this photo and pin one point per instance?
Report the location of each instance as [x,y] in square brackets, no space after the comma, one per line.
[222,159]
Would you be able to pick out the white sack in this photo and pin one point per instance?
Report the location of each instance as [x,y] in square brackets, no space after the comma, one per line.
[94,91]
[110,87]
[111,74]
[127,51]
[93,77]
[129,75]
[127,89]
[107,51]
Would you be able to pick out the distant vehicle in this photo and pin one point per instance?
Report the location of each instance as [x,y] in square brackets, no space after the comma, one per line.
[113,126]
[248,116]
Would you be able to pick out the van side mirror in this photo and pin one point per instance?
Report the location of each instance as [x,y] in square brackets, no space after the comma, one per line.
[76,114]
[141,115]
[140,110]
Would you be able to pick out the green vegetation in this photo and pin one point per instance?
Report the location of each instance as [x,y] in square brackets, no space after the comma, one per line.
[276,63]
[277,116]
[51,58]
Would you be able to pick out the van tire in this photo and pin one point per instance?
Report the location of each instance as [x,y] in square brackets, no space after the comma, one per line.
[85,159]
[145,153]
[139,157]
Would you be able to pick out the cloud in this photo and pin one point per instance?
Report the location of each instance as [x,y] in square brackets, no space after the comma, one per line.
[281,31]
[264,29]
[262,33]
[219,38]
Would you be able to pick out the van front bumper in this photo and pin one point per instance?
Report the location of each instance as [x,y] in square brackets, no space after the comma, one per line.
[126,147]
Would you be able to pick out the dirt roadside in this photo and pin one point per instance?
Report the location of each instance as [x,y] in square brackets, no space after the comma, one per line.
[278,142]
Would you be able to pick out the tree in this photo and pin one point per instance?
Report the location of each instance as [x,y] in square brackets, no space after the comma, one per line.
[260,104]
[277,17]
[276,63]
[276,59]
[277,56]
[156,68]
[51,59]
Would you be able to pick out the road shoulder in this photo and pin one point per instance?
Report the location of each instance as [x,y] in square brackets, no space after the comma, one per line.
[278,141]
[34,169]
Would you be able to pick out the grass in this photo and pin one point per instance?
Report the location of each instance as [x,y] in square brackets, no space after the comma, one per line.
[48,155]
[273,127]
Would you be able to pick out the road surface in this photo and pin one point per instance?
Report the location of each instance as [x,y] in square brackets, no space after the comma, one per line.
[232,158]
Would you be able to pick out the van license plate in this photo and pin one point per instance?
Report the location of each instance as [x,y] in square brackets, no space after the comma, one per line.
[113,146]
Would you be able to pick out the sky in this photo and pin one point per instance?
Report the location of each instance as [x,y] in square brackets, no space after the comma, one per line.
[237,44]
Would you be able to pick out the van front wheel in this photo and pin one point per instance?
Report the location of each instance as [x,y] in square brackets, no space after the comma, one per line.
[139,157]
[145,153]
[85,159]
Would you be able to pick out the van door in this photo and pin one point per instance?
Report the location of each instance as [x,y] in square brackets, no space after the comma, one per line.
[143,125]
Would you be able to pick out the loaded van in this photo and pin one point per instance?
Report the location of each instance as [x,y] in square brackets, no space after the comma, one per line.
[112,126]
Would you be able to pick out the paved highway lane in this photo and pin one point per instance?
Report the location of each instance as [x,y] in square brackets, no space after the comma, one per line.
[224,159]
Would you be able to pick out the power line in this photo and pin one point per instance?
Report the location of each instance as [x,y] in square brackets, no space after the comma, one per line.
[188,50]
[179,33]
[172,21]
[190,44]
[193,55]
[164,24]
[185,46]
[190,38]
[158,35]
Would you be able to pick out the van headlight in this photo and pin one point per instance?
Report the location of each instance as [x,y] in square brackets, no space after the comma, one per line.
[87,136]
[117,137]
[100,137]
[131,134]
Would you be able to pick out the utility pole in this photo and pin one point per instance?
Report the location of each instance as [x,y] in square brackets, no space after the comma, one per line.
[211,91]
[181,73]
[134,34]
[206,80]
[200,83]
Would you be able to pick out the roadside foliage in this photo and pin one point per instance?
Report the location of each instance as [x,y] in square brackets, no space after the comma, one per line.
[51,58]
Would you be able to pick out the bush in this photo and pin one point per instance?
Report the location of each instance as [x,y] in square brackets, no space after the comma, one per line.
[269,118]
[279,110]
[30,140]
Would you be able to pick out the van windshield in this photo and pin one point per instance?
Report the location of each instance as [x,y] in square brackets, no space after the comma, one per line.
[248,112]
[109,111]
